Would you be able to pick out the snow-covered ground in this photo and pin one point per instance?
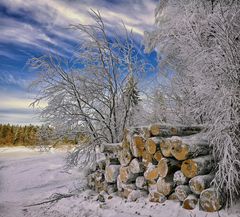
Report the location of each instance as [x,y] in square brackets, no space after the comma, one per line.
[28,177]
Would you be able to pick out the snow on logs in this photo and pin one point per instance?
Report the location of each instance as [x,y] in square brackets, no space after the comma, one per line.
[163,161]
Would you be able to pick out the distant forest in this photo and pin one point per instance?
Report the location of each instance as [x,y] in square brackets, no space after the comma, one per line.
[30,135]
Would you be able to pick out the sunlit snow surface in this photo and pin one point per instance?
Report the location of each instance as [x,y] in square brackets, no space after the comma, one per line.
[27,177]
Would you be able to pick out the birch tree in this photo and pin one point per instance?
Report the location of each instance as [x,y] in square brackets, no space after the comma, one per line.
[96,92]
[198,42]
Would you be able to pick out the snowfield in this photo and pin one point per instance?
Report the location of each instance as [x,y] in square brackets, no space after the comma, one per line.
[28,177]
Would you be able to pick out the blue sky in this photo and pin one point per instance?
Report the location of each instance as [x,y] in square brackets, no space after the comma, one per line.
[31,28]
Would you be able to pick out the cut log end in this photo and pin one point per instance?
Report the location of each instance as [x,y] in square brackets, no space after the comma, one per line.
[151,146]
[200,183]
[165,186]
[165,146]
[190,202]
[157,197]
[182,192]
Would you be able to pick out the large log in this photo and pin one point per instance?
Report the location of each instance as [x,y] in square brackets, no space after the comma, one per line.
[169,130]
[190,202]
[183,148]
[110,147]
[167,166]
[182,192]
[147,158]
[136,166]
[137,145]
[126,175]
[165,145]
[151,144]
[210,200]
[111,173]
[200,183]
[158,156]
[197,166]
[141,183]
[151,172]
[124,157]
[165,185]
[179,178]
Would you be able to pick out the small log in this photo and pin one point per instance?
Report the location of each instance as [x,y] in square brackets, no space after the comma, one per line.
[179,178]
[157,197]
[183,148]
[146,158]
[111,173]
[126,175]
[168,130]
[165,185]
[197,166]
[127,189]
[151,144]
[200,183]
[173,196]
[211,200]
[165,145]
[135,195]
[137,145]
[167,166]
[151,173]
[182,191]
[141,183]
[152,186]
[158,156]
[136,167]
[124,157]
[145,132]
[110,147]
[190,202]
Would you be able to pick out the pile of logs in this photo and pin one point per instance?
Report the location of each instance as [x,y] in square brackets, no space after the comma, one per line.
[161,161]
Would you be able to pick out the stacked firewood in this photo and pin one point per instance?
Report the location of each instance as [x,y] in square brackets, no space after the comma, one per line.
[161,161]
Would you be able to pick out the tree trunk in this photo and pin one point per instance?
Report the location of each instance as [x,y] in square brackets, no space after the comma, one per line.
[111,173]
[167,166]
[124,157]
[141,183]
[165,185]
[151,173]
[165,146]
[137,145]
[136,167]
[126,175]
[179,178]
[182,192]
[190,202]
[168,130]
[158,156]
[183,148]
[200,183]
[210,200]
[110,147]
[151,144]
[197,166]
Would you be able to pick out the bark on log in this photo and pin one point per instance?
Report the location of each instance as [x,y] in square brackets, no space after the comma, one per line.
[200,183]
[137,145]
[165,185]
[124,157]
[158,156]
[135,166]
[157,197]
[110,147]
[167,166]
[183,148]
[152,144]
[126,175]
[210,200]
[197,166]
[190,202]
[145,132]
[151,172]
[147,158]
[168,130]
[165,146]
[173,196]
[179,178]
[111,173]
[182,192]
[141,183]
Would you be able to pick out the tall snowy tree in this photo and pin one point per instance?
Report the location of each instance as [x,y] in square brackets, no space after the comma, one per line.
[198,42]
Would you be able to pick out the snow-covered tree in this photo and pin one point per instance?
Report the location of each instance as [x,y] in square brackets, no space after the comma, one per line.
[95,92]
[198,44]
